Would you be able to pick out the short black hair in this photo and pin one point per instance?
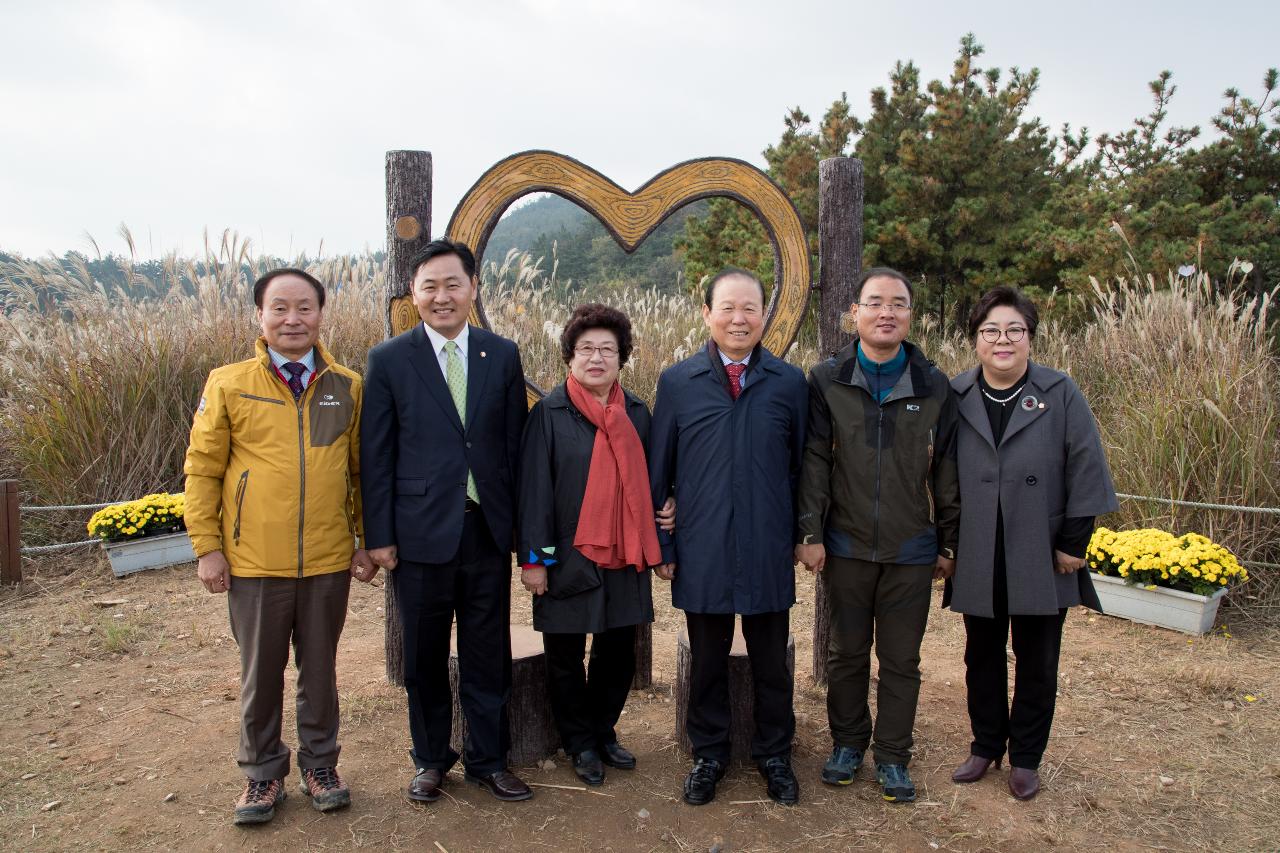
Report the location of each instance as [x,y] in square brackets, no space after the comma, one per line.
[1007,296]
[877,272]
[594,315]
[443,246]
[260,286]
[730,272]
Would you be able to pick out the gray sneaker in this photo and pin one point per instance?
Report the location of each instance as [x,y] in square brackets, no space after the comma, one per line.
[842,766]
[895,783]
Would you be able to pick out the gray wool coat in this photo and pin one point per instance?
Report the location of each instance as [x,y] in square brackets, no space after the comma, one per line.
[1050,465]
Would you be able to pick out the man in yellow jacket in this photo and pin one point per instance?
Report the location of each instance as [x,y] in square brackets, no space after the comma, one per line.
[273,510]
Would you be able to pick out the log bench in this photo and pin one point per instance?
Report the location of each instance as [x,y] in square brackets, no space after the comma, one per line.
[533,732]
[741,697]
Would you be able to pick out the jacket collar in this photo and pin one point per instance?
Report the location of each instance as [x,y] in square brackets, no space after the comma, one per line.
[558,398]
[916,380]
[323,359]
[760,362]
[1030,403]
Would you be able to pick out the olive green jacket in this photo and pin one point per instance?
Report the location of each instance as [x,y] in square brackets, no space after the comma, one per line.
[878,481]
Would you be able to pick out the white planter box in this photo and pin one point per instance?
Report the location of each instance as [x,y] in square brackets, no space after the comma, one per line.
[149,552]
[1167,608]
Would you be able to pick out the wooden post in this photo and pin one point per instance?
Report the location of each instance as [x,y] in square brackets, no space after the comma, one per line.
[408,230]
[10,534]
[840,264]
[644,657]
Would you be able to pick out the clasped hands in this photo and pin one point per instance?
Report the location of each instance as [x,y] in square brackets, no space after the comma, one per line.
[814,558]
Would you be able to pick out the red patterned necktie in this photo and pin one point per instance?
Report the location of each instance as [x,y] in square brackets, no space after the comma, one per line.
[295,371]
[735,378]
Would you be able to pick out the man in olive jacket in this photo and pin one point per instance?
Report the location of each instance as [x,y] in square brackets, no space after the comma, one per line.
[879,510]
[273,511]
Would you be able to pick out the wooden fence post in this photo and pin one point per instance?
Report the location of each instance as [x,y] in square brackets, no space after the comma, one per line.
[408,230]
[10,534]
[840,264]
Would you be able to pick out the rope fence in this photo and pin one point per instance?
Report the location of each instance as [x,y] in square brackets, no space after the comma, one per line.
[62,546]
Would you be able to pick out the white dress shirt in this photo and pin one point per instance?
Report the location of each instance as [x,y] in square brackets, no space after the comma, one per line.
[437,344]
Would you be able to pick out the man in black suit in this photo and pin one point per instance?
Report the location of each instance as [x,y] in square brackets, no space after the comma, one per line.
[443,411]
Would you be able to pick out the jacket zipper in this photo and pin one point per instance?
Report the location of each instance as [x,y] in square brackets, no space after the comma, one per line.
[875,524]
[302,481]
[928,490]
[242,486]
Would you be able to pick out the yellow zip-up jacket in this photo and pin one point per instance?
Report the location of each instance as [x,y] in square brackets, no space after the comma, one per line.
[272,482]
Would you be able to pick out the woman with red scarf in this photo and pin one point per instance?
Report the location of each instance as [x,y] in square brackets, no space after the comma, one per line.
[587,536]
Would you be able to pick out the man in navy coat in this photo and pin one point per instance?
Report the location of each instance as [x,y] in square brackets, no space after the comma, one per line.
[727,440]
[440,433]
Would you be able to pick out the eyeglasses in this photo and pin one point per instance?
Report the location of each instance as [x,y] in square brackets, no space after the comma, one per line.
[895,307]
[587,351]
[991,335]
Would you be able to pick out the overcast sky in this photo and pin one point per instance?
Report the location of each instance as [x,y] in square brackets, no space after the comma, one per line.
[273,118]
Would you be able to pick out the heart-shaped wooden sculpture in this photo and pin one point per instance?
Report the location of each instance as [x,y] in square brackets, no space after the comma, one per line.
[630,217]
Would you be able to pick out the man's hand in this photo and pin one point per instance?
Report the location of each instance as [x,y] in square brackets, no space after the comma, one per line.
[214,572]
[944,568]
[1065,564]
[666,517]
[535,579]
[813,556]
[385,557]
[362,566]
[666,571]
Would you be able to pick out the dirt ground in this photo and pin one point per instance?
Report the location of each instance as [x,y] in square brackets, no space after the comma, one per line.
[120,722]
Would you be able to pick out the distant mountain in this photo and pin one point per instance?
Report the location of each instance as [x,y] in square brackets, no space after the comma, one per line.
[587,257]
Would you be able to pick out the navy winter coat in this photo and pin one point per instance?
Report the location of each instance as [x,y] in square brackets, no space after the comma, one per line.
[733,467]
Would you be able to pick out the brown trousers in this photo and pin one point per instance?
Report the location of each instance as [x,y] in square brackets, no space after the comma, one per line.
[267,614]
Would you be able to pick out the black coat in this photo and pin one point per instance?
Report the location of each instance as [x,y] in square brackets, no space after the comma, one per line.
[555,458]
[415,453]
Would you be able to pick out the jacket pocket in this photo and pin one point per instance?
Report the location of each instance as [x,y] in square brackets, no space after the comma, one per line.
[263,399]
[574,574]
[411,486]
[242,486]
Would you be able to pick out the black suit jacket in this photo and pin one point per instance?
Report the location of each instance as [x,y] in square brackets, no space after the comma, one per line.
[415,452]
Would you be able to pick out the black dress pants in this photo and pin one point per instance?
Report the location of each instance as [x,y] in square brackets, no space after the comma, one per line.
[709,720]
[476,585]
[1037,642]
[587,708]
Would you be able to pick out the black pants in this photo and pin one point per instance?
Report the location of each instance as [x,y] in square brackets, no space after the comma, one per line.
[889,603]
[587,708]
[476,585]
[709,719]
[1024,729]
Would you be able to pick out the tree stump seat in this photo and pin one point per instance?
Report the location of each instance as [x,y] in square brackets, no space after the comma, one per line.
[741,696]
[533,731]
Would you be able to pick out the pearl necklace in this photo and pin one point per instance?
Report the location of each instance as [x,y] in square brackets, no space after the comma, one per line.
[1006,399]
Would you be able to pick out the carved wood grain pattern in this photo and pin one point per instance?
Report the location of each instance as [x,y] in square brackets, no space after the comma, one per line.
[630,217]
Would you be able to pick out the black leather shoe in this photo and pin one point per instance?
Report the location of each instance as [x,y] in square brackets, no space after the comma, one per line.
[425,787]
[503,784]
[589,767]
[973,769]
[781,780]
[616,755]
[700,784]
[1024,783]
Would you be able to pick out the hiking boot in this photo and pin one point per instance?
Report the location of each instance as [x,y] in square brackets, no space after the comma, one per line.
[842,766]
[325,788]
[258,802]
[895,783]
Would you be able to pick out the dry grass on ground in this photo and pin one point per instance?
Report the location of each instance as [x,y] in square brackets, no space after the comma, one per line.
[110,709]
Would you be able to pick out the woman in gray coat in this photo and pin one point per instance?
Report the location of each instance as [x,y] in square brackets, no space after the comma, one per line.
[1033,476]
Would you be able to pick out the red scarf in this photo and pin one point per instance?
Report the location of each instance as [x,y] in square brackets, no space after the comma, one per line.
[615,525]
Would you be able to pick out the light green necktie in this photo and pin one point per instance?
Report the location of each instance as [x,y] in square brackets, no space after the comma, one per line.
[456,378]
